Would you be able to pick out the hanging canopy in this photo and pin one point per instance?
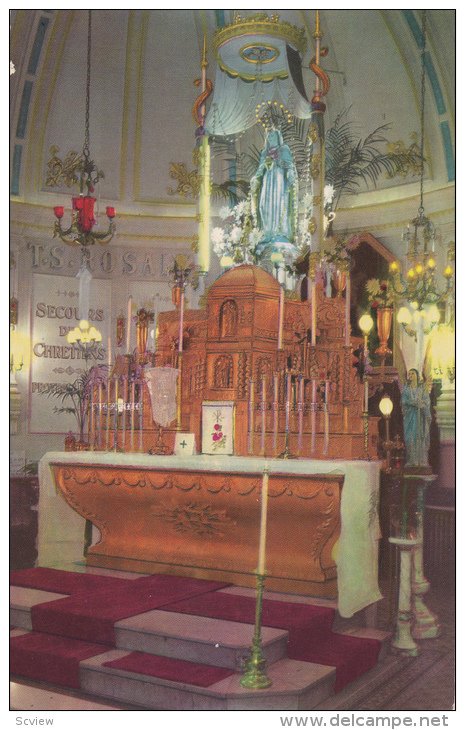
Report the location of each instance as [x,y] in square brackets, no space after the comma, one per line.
[259,62]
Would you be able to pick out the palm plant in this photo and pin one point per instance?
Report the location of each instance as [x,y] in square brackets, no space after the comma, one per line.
[78,394]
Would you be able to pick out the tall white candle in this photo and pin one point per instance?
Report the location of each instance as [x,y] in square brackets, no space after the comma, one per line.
[288,400]
[347,311]
[301,410]
[275,409]
[326,424]
[251,418]
[263,520]
[263,413]
[128,331]
[109,351]
[181,321]
[313,417]
[365,396]
[313,335]
[281,318]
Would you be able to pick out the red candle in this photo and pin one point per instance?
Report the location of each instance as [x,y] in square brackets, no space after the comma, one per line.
[59,211]
[110,212]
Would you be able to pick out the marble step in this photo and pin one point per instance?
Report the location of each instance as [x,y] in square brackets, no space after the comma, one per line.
[179,636]
[295,686]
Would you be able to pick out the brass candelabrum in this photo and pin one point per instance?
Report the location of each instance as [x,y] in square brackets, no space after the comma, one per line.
[255,676]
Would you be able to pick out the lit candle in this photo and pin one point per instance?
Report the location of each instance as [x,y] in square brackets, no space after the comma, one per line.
[128,333]
[263,519]
[91,419]
[181,321]
[347,311]
[281,318]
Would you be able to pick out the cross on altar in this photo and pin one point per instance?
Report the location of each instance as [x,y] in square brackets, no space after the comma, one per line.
[183,444]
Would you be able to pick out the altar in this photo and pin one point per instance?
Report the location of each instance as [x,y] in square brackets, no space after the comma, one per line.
[199,516]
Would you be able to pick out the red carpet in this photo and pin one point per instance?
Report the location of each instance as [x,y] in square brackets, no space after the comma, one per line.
[62,581]
[310,636]
[75,627]
[50,658]
[91,616]
[177,670]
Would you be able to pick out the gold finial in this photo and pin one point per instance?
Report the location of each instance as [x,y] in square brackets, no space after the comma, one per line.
[317,33]
[204,62]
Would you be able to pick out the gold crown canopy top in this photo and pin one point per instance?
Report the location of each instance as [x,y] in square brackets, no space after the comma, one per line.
[253,47]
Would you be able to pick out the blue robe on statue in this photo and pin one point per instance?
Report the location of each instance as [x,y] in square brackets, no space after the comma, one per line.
[416,410]
[274,192]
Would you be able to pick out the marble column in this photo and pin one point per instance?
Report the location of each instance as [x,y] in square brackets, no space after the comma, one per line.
[403,640]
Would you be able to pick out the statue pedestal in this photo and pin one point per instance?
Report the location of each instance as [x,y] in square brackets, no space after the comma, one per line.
[403,640]
[445,417]
[426,625]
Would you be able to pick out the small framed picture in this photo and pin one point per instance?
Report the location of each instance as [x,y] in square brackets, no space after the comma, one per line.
[218,427]
[184,444]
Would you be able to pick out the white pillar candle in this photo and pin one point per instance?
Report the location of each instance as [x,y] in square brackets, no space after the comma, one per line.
[128,330]
[326,425]
[263,413]
[301,410]
[109,351]
[313,335]
[115,435]
[181,321]
[133,412]
[313,417]
[251,418]
[263,520]
[288,400]
[100,406]
[281,318]
[275,409]
[141,416]
[347,311]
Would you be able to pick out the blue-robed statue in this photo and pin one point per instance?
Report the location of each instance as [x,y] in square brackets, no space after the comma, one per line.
[416,410]
[274,193]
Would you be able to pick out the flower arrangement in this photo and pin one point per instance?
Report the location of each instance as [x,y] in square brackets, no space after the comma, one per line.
[380,293]
[238,239]
[218,437]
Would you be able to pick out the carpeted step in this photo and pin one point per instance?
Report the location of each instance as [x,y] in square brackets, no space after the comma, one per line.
[176,670]
[63,581]
[310,636]
[48,658]
[91,616]
[295,686]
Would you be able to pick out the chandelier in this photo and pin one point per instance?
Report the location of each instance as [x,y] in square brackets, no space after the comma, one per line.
[419,287]
[80,231]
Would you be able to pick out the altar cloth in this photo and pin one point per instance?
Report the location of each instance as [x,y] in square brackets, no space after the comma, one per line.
[61,529]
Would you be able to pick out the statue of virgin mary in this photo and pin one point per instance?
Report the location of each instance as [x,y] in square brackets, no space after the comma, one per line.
[274,193]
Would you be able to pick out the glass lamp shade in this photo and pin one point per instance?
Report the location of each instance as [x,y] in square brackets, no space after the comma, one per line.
[404,316]
[385,406]
[276,257]
[433,314]
[366,323]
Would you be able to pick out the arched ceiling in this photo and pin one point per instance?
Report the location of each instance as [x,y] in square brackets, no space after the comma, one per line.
[144,63]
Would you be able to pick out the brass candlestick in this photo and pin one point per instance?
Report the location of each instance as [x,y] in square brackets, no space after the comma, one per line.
[255,676]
